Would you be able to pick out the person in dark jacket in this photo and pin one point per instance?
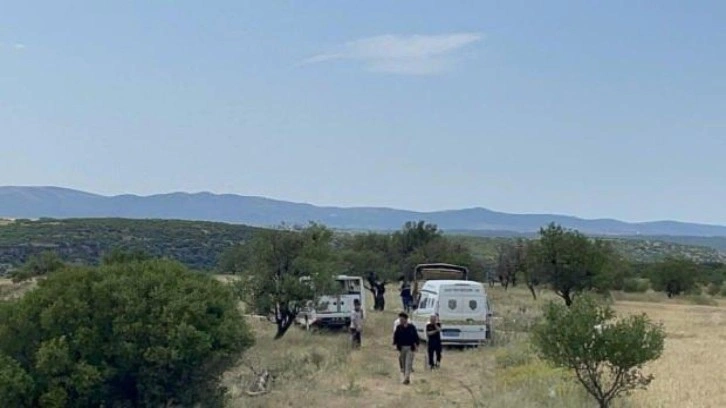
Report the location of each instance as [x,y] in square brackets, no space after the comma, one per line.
[406,296]
[433,343]
[405,338]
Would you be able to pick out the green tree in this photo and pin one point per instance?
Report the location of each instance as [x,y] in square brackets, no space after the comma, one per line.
[118,256]
[411,237]
[16,385]
[511,262]
[39,265]
[442,250]
[146,333]
[281,258]
[532,270]
[606,356]
[235,260]
[673,276]
[570,263]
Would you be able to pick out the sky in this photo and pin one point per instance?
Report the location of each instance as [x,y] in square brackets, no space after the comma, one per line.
[596,109]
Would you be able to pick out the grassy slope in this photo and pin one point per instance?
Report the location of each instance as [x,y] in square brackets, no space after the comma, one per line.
[320,370]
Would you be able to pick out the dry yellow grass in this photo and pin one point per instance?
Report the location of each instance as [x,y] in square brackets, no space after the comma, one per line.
[691,371]
[320,369]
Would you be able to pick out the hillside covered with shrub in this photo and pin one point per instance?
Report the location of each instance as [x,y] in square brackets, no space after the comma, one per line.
[195,244]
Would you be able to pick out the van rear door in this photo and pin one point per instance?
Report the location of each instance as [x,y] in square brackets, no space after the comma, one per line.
[462,311]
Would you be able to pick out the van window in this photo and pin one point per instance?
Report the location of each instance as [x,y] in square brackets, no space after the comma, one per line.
[422,305]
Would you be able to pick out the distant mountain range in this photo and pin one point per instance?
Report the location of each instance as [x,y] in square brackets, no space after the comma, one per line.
[56,202]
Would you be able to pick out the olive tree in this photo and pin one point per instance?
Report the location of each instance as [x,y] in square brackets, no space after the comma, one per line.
[673,276]
[511,262]
[569,262]
[606,354]
[288,267]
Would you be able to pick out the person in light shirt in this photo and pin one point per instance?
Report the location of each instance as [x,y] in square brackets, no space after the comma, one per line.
[356,324]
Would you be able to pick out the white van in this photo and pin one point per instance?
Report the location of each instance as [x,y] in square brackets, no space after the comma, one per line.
[334,310]
[462,305]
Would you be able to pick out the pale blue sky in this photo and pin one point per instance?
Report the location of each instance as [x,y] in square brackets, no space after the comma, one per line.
[616,109]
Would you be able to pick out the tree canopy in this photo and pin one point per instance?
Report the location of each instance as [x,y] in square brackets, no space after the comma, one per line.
[605,354]
[569,262]
[138,333]
[673,276]
[274,285]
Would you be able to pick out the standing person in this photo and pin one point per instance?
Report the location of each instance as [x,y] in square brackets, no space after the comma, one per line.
[406,296]
[356,324]
[433,341]
[405,338]
[380,295]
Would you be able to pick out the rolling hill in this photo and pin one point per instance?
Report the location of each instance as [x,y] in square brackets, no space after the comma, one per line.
[197,244]
[55,202]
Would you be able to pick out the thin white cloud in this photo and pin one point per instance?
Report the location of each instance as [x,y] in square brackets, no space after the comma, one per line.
[411,54]
[19,46]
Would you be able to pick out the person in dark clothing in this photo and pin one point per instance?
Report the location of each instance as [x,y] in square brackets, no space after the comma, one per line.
[405,338]
[380,298]
[433,336]
[406,298]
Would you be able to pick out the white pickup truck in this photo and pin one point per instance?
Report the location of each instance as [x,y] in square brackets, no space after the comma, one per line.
[334,310]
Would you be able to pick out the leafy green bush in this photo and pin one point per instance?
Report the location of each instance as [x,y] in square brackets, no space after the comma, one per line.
[606,356]
[130,334]
[634,285]
[38,265]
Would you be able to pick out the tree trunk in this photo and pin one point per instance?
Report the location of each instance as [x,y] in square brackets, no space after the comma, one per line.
[282,326]
[531,289]
[284,319]
[568,299]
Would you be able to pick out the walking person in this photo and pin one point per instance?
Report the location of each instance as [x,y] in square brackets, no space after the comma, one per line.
[356,324]
[396,323]
[433,341]
[406,341]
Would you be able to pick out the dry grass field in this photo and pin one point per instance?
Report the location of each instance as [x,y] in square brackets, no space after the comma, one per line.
[319,369]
